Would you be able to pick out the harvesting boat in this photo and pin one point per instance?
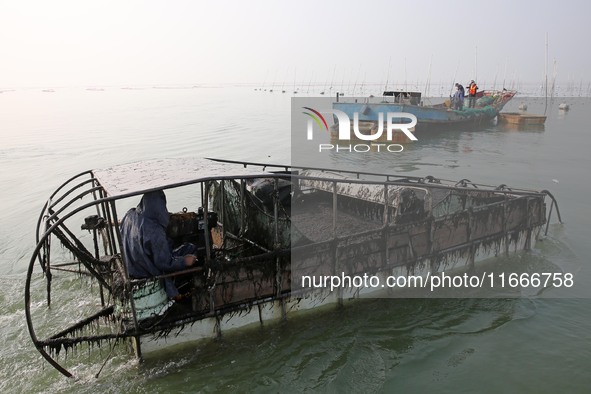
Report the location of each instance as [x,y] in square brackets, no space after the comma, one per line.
[429,117]
[259,230]
[522,119]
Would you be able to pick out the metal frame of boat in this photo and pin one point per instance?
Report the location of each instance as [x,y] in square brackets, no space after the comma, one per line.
[418,225]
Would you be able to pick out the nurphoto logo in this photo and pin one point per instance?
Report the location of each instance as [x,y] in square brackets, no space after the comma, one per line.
[344,129]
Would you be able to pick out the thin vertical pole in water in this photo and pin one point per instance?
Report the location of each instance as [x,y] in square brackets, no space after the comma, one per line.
[284,79]
[546,77]
[334,70]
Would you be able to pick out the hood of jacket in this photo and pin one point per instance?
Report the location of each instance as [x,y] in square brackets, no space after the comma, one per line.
[153,206]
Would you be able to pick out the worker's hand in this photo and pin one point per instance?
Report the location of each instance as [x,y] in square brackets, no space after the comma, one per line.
[190,259]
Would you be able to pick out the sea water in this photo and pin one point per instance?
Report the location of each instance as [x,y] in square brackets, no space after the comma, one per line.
[415,345]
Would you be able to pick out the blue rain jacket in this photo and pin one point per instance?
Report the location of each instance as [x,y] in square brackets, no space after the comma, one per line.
[146,248]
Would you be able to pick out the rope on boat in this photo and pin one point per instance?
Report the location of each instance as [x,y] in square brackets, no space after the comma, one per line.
[465,182]
[503,187]
[429,179]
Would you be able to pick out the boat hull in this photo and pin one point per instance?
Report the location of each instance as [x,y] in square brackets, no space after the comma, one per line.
[298,303]
[522,119]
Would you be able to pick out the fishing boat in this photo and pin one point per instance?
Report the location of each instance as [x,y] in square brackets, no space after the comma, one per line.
[429,117]
[259,230]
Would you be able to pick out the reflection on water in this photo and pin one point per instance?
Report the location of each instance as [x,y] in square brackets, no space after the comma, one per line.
[522,127]
[375,343]
[562,113]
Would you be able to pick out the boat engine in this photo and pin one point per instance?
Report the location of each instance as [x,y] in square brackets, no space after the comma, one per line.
[190,227]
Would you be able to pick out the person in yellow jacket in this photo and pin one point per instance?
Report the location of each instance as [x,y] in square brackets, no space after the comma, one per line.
[472,89]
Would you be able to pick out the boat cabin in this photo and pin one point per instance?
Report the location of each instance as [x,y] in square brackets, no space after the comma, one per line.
[403,97]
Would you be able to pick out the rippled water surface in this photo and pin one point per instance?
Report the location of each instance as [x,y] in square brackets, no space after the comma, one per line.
[420,345]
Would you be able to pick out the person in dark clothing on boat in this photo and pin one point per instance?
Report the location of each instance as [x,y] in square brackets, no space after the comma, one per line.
[472,90]
[458,98]
[146,248]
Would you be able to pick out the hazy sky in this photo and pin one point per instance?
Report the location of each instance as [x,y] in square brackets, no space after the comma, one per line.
[84,43]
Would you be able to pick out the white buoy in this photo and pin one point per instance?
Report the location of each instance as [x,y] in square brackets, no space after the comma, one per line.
[564,106]
[523,107]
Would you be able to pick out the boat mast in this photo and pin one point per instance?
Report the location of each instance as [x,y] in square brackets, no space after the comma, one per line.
[428,82]
[325,84]
[454,79]
[356,79]
[505,73]
[553,81]
[476,63]
[405,86]
[362,83]
[495,82]
[388,74]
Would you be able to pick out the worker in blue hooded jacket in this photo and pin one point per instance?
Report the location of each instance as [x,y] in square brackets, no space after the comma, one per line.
[458,98]
[146,248]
